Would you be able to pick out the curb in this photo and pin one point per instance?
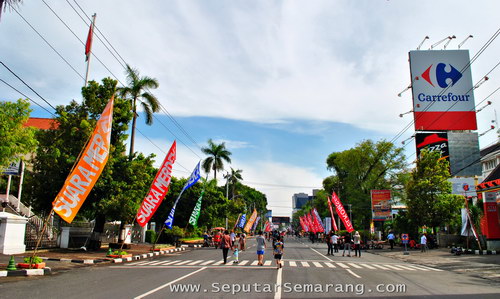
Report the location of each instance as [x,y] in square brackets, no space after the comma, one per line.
[485,252]
[192,245]
[26,272]
[97,261]
[146,255]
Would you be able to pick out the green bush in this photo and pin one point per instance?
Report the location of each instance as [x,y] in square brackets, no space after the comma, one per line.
[33,260]
[150,236]
[118,252]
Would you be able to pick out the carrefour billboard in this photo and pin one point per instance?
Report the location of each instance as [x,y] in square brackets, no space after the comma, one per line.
[443,98]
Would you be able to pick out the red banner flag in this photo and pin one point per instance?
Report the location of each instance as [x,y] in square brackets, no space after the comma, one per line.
[159,188]
[303,224]
[312,225]
[334,225]
[341,212]
[267,227]
[317,221]
[88,44]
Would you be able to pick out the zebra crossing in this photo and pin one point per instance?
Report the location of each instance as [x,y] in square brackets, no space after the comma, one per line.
[288,263]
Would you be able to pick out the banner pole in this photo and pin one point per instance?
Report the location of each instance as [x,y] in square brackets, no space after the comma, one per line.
[46,221]
[123,243]
[158,237]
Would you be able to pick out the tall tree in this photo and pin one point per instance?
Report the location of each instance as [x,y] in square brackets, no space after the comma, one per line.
[10,3]
[123,182]
[429,199]
[233,178]
[216,154]
[15,139]
[136,90]
[360,169]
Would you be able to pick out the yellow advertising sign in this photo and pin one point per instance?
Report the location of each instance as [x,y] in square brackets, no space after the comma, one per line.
[88,169]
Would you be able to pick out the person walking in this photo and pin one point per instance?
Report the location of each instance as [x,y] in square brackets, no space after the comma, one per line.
[357,244]
[347,244]
[235,254]
[242,242]
[328,240]
[261,247]
[335,240]
[423,243]
[233,238]
[391,239]
[225,245]
[279,247]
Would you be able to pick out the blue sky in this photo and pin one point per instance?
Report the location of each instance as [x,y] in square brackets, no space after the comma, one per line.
[283,83]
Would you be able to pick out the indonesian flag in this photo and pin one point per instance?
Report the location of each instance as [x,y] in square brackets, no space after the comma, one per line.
[88,44]
[341,212]
[331,212]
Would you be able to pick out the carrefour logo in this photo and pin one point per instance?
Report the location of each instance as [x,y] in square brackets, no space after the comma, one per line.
[442,77]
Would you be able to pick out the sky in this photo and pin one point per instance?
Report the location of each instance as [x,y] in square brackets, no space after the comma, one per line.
[282,83]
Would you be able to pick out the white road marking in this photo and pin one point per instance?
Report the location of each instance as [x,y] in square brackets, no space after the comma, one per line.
[183,262]
[318,265]
[392,267]
[320,254]
[267,263]
[404,267]
[354,274]
[242,263]
[368,266]
[292,264]
[433,269]
[380,267]
[330,265]
[343,265]
[254,263]
[169,262]
[169,283]
[305,264]
[155,263]
[418,268]
[195,262]
[355,266]
[279,276]
[207,262]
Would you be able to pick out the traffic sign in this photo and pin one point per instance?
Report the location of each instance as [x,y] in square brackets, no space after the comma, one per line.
[405,238]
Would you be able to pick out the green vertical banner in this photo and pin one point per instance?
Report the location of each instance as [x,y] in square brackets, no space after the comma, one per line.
[193,220]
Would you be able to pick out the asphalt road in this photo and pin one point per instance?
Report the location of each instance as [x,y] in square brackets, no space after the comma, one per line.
[307,273]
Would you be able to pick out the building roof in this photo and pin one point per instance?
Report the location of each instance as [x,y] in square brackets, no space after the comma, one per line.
[42,123]
[491,182]
[490,149]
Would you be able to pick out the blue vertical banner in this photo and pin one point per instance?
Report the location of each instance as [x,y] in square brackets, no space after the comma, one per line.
[243,219]
[195,176]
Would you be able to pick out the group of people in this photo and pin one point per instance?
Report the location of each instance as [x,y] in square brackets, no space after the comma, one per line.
[238,243]
[391,237]
[333,241]
[231,241]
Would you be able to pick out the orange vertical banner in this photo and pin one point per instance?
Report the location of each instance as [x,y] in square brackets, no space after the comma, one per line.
[251,221]
[82,179]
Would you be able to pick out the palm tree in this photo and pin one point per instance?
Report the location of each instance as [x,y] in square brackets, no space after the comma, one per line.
[216,153]
[138,89]
[10,3]
[233,178]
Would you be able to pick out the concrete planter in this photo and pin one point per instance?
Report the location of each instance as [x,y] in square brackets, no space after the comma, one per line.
[33,266]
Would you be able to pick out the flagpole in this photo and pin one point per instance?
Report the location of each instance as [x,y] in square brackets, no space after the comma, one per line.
[90,50]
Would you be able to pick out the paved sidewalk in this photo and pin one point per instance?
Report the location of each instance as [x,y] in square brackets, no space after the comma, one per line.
[484,266]
[61,260]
